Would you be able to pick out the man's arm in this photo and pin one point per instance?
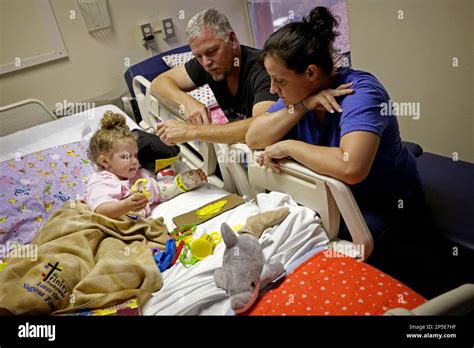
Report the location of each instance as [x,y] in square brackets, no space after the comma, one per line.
[171,87]
[174,132]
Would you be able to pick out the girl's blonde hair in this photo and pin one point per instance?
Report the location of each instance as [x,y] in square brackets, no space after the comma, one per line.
[112,130]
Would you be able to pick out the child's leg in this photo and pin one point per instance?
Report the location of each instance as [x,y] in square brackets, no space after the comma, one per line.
[183,182]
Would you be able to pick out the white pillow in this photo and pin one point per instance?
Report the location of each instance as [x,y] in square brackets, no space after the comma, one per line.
[173,60]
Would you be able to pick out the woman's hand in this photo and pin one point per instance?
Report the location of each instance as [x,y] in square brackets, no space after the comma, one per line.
[273,154]
[325,100]
[135,202]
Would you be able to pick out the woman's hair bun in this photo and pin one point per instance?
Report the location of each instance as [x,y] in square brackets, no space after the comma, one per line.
[323,23]
[112,120]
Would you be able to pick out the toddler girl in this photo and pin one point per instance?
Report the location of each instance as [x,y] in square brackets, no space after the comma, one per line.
[114,149]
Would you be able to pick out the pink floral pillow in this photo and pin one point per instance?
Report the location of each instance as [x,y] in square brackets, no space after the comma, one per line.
[204,93]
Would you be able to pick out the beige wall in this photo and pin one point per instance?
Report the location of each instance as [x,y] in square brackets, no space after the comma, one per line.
[412,57]
[95,64]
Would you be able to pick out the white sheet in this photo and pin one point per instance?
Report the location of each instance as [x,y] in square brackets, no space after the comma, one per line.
[191,291]
[66,130]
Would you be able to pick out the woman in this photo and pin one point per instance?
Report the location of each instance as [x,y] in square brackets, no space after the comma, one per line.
[347,139]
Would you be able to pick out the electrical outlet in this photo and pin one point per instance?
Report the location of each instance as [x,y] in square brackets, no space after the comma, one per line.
[168,28]
[147,32]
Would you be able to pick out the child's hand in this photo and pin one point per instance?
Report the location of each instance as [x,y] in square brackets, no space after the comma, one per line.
[136,202]
[196,177]
[193,178]
[202,175]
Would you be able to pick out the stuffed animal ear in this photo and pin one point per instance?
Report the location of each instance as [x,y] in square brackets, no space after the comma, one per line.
[219,278]
[230,238]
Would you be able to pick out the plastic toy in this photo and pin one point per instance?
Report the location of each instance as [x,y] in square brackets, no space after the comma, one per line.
[204,246]
[163,259]
[180,233]
[143,189]
[165,162]
[211,209]
[179,249]
[198,249]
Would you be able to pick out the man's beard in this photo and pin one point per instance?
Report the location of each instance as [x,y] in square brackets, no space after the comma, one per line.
[219,77]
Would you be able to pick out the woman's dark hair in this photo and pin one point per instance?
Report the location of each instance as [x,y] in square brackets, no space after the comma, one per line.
[303,43]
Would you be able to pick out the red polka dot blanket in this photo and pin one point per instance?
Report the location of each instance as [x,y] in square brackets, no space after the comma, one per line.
[331,283]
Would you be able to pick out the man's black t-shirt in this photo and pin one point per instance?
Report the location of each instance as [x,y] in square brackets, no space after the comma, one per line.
[253,86]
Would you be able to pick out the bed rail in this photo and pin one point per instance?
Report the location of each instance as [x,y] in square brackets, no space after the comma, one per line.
[329,197]
[153,112]
[22,115]
[459,301]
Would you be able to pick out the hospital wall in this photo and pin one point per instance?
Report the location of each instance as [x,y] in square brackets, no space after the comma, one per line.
[414,59]
[96,63]
[422,55]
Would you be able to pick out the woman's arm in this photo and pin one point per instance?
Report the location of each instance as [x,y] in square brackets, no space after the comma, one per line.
[350,162]
[280,122]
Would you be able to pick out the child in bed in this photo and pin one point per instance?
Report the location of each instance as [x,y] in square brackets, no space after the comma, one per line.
[113,149]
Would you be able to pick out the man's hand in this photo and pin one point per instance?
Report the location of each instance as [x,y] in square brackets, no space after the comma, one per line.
[195,112]
[135,202]
[172,132]
[273,154]
[325,100]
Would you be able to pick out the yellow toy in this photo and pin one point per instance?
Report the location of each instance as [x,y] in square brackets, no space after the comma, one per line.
[204,246]
[143,190]
[163,163]
[199,248]
[210,209]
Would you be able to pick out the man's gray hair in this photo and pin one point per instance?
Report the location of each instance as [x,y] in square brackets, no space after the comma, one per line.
[209,18]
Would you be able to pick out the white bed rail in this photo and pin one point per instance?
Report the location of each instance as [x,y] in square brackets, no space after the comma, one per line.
[329,197]
[153,112]
[459,301]
[22,115]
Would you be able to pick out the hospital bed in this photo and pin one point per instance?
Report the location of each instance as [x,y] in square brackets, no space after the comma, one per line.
[326,195]
[303,235]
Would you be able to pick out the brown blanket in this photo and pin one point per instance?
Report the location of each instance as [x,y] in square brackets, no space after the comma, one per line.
[85,260]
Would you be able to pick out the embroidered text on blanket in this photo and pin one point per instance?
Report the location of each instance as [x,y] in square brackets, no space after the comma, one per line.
[33,331]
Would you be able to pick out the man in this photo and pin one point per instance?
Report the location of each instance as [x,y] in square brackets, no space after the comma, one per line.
[240,84]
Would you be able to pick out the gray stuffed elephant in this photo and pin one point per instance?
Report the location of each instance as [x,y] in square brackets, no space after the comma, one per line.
[244,272]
